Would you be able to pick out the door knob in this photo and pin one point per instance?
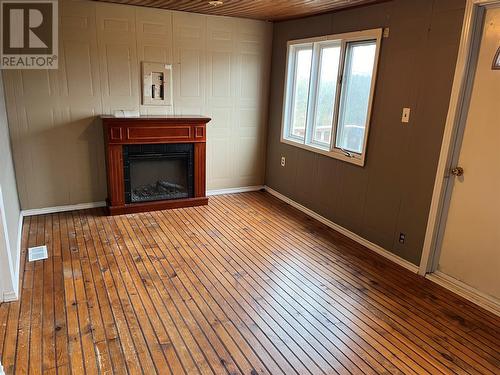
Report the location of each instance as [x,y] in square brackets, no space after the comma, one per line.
[457,171]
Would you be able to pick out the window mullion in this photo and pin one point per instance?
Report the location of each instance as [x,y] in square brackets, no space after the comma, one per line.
[292,90]
[338,94]
[313,84]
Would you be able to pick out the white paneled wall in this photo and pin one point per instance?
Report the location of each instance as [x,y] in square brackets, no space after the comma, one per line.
[220,69]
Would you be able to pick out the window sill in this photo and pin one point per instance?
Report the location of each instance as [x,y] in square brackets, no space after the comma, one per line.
[356,160]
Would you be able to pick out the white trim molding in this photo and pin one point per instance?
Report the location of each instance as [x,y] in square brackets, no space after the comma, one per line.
[11,296]
[244,189]
[465,60]
[353,236]
[1,369]
[19,252]
[469,293]
[84,206]
[71,207]
[456,102]
[9,271]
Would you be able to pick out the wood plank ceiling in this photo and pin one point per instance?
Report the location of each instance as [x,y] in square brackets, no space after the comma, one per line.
[271,10]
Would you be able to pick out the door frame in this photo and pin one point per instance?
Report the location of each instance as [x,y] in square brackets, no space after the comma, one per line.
[454,130]
[8,286]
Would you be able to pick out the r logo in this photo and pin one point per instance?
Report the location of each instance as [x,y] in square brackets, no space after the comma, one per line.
[29,28]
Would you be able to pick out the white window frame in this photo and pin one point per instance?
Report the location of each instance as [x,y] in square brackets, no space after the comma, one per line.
[317,44]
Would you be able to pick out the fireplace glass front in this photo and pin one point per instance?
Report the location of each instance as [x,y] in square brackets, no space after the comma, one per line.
[158,172]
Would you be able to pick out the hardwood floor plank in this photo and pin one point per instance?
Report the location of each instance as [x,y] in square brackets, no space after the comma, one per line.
[224,337]
[75,347]
[162,337]
[317,323]
[475,353]
[380,312]
[4,316]
[187,361]
[287,341]
[150,277]
[246,285]
[95,323]
[169,286]
[439,350]
[221,317]
[284,309]
[235,239]
[159,362]
[61,328]
[468,317]
[95,252]
[230,303]
[48,346]
[294,319]
[35,352]
[447,339]
[374,330]
[132,342]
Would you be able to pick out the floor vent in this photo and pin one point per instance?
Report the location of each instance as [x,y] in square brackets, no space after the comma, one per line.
[37,253]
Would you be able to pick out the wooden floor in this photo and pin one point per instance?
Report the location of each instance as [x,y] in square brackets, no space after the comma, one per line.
[246,285]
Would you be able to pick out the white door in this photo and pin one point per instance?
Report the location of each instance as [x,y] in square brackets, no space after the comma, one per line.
[470,250]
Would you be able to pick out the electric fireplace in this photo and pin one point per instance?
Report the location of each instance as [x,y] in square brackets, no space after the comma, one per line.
[155,162]
[158,172]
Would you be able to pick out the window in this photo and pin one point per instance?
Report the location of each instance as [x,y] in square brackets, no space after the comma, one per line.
[329,93]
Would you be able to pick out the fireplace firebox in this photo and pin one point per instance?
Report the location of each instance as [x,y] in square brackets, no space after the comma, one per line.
[158,172]
[155,162]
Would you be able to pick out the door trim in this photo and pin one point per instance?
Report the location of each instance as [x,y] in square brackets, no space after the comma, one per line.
[453,132]
[8,275]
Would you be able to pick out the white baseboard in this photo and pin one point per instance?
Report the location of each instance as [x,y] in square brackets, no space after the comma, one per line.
[469,293]
[10,272]
[17,267]
[84,206]
[71,207]
[11,296]
[353,236]
[244,189]
[1,369]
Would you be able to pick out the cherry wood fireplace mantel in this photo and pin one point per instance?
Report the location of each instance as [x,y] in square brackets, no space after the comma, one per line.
[120,131]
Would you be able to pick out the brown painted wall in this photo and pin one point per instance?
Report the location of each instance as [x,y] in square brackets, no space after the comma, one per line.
[392,193]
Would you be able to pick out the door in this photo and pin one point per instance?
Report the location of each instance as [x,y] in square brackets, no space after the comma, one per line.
[470,250]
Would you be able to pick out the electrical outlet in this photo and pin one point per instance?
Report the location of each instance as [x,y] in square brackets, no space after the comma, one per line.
[283,161]
[405,118]
[402,238]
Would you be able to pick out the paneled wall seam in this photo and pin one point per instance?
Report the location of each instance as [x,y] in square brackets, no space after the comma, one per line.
[60,160]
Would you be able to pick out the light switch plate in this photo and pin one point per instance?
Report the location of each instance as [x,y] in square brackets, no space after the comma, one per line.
[405,118]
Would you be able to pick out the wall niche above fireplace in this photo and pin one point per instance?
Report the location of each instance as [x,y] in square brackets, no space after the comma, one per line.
[155,162]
